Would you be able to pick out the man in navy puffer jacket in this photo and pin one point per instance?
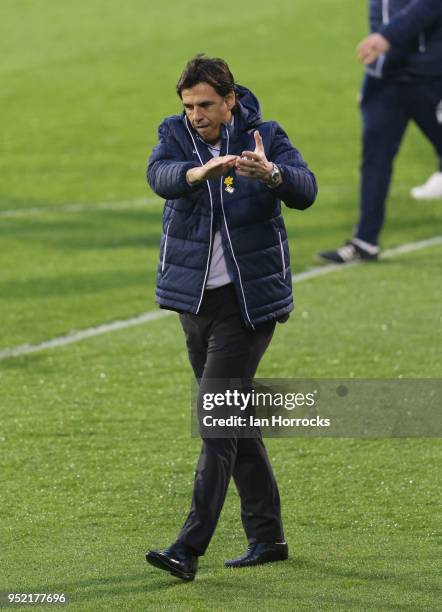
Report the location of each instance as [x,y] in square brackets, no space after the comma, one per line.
[403,82]
[225,267]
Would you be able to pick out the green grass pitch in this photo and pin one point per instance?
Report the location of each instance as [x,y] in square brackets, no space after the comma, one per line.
[96,459]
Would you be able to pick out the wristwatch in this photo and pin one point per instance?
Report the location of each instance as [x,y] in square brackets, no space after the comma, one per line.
[275,177]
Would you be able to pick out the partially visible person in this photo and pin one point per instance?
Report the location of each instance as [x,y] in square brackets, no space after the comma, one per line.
[403,82]
[432,188]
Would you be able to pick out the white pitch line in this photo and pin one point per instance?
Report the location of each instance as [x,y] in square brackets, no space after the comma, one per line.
[80,207]
[402,249]
[25,349]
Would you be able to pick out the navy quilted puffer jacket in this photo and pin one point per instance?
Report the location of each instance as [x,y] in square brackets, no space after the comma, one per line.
[246,211]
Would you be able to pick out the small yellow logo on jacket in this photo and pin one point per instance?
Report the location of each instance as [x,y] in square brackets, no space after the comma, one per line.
[228,182]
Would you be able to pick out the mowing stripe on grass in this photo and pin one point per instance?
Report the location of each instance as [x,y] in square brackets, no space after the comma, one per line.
[80,207]
[91,332]
[74,207]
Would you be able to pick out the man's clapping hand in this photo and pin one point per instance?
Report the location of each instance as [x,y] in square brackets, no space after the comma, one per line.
[216,167]
[254,164]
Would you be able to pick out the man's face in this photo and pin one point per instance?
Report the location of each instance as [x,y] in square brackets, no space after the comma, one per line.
[207,110]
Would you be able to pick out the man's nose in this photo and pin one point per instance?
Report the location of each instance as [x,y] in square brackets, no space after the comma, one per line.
[197,114]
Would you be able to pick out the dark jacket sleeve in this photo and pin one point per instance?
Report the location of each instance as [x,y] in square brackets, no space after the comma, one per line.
[415,17]
[167,166]
[298,188]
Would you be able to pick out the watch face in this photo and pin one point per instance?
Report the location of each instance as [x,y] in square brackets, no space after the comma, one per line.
[274,176]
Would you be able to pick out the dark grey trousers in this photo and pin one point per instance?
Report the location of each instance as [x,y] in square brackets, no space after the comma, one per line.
[220,346]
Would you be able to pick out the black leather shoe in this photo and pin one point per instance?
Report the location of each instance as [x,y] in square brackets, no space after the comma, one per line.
[177,559]
[258,554]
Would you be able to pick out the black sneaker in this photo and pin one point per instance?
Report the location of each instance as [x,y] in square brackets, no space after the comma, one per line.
[353,250]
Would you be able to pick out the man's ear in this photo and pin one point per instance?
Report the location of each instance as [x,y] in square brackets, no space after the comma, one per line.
[230,100]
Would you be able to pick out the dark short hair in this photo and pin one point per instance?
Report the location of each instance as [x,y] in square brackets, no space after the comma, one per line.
[211,70]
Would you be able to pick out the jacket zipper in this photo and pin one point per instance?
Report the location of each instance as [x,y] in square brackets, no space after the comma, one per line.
[165,247]
[376,71]
[230,242]
[282,254]
[385,12]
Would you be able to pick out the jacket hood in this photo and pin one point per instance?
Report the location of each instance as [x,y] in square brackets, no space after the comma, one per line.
[247,107]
